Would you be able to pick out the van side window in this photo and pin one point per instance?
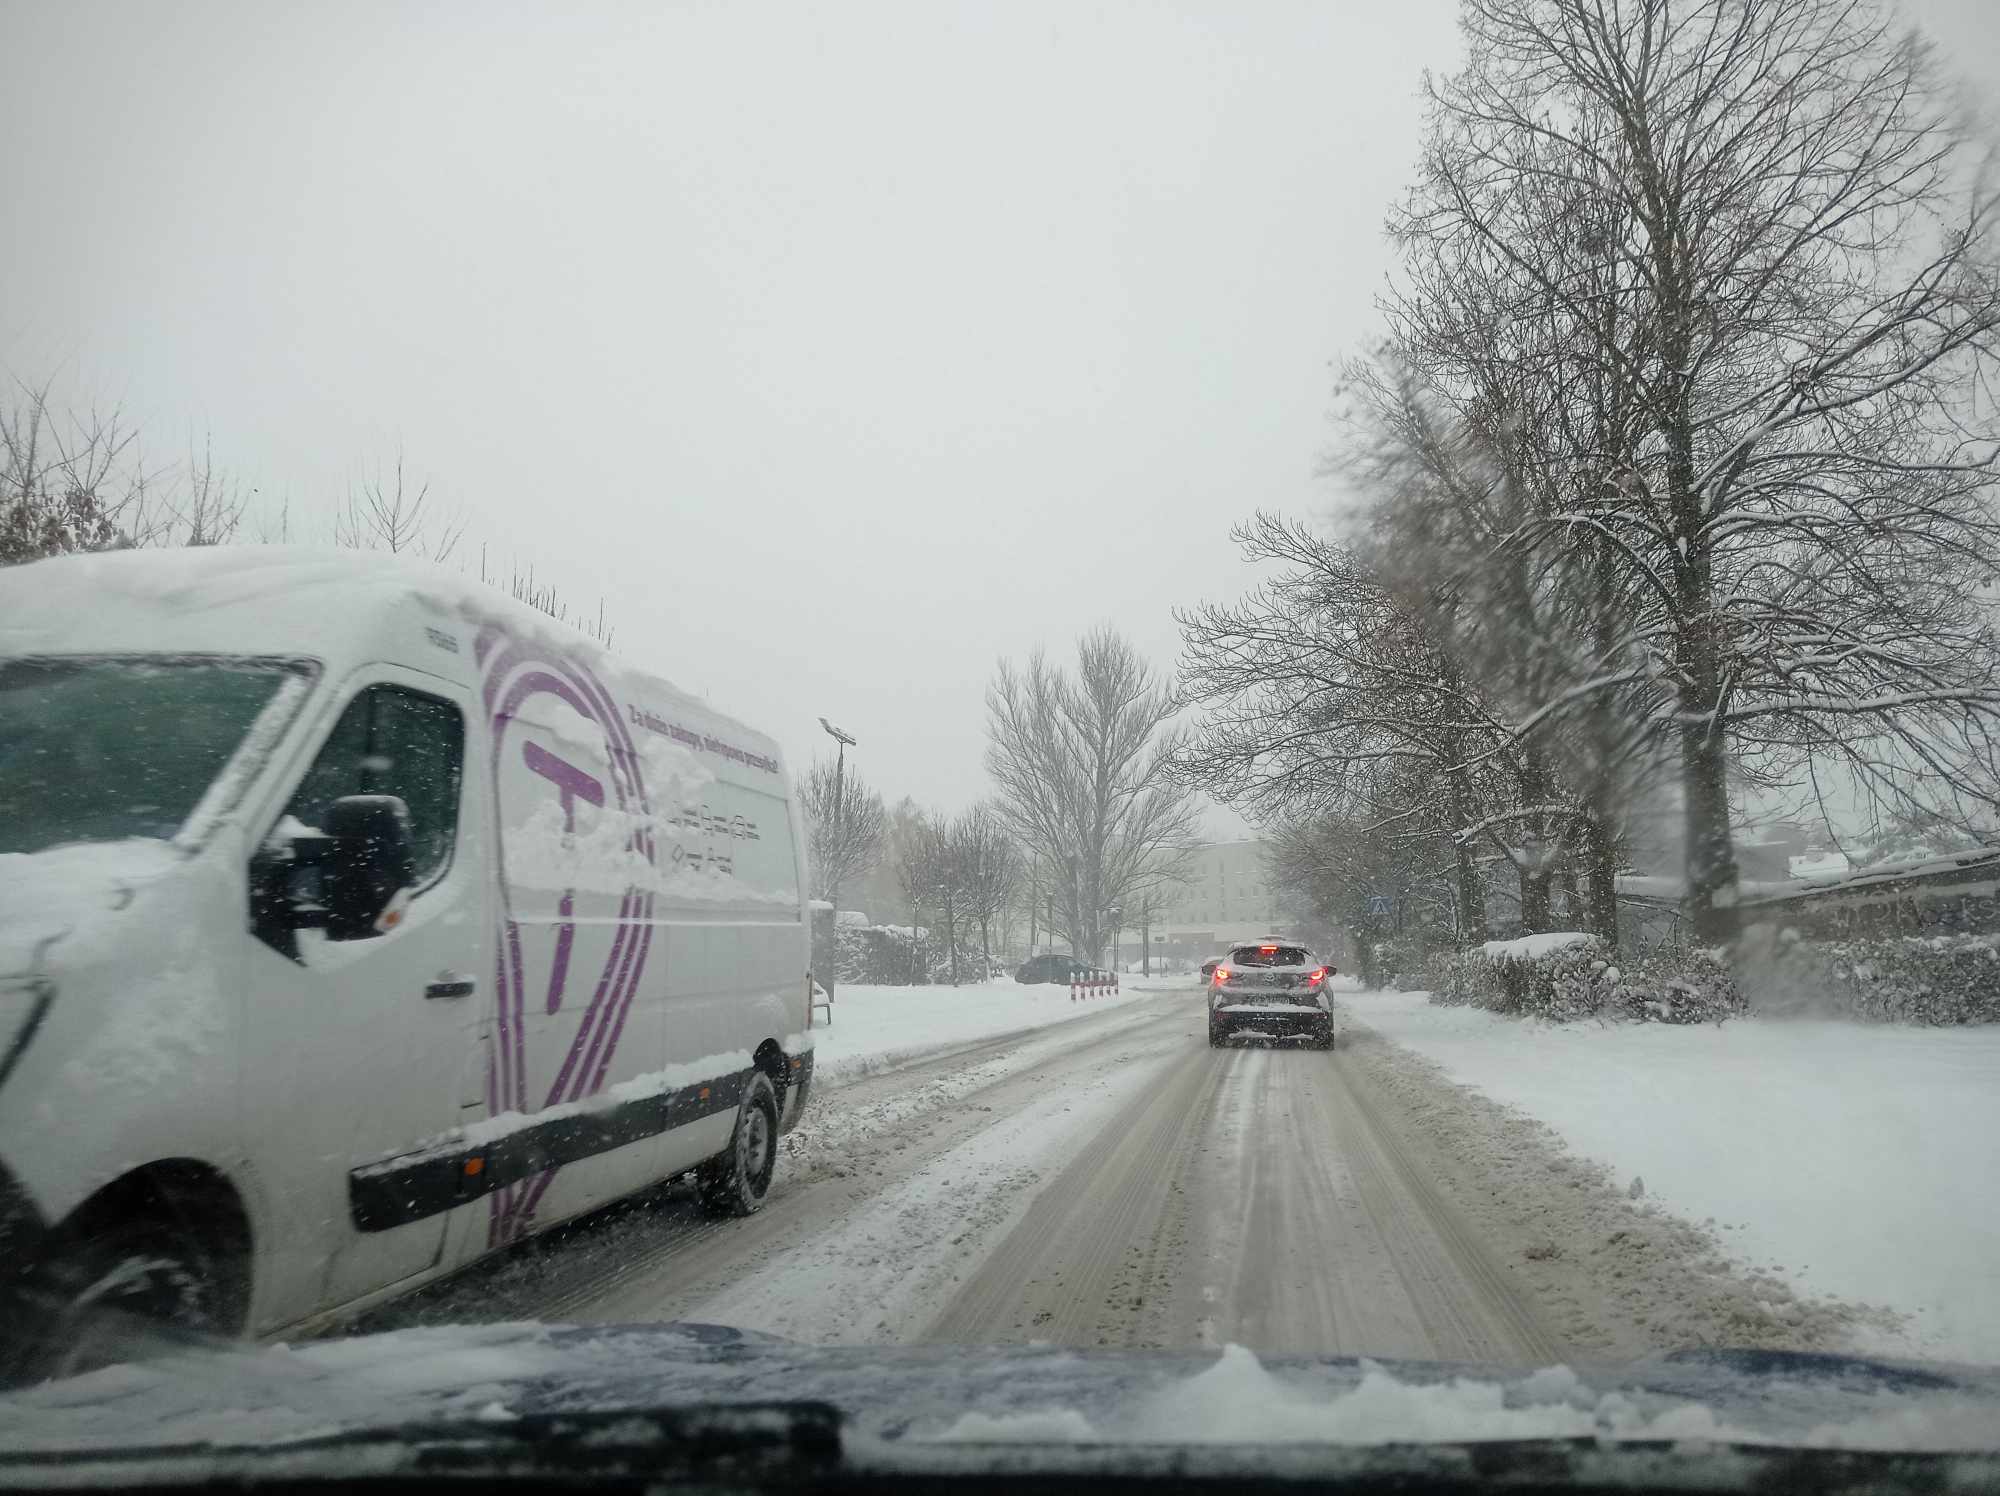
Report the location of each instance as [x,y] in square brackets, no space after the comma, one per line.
[393,741]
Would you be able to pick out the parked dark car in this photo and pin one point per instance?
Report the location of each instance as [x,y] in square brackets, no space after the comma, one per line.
[1272,990]
[1051,967]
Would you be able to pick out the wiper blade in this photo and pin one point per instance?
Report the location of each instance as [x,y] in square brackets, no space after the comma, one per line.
[753,1442]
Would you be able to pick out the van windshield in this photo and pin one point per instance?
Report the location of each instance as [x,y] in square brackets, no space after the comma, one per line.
[100,749]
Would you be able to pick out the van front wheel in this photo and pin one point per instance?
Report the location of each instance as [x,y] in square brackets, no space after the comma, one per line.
[735,1181]
[129,1289]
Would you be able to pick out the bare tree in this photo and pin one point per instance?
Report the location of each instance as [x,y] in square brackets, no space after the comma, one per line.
[72,481]
[1754,231]
[209,506]
[391,515]
[1080,763]
[1035,896]
[76,481]
[988,866]
[1452,493]
[846,846]
[1326,694]
[66,484]
[928,872]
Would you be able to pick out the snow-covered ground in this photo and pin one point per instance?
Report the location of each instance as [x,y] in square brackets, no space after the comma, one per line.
[1861,1161]
[874,1028]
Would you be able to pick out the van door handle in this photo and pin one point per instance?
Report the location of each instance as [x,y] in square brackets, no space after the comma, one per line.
[451,984]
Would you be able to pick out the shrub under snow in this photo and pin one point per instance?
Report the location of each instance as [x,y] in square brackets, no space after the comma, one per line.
[1573,975]
[1454,978]
[1935,979]
[1676,984]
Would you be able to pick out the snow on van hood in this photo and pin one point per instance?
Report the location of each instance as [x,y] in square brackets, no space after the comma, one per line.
[46,896]
[130,589]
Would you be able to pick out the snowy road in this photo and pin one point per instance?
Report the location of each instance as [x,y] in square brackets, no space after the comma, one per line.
[1112,1181]
[1245,1195]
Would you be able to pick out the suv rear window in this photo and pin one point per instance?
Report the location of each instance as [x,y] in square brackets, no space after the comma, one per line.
[1260,955]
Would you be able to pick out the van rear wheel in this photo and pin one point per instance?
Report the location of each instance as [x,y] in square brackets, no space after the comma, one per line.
[735,1181]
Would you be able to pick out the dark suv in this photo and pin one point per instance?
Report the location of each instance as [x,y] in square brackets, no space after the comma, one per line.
[1051,967]
[1273,991]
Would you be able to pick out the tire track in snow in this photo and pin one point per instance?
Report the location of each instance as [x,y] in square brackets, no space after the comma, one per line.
[1096,1241]
[1248,1196]
[879,1273]
[661,1256]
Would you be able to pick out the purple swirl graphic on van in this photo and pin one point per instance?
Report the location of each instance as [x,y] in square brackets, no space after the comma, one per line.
[514,674]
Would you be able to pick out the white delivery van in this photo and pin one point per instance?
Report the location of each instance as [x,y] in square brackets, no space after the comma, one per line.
[355,921]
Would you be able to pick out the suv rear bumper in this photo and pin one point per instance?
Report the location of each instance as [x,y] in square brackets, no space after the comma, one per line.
[1280,1020]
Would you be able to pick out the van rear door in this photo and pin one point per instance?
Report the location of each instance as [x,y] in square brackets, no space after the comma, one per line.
[361,1050]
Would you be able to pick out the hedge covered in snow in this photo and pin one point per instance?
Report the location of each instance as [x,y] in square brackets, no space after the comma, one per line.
[1680,984]
[857,952]
[1571,975]
[1936,979]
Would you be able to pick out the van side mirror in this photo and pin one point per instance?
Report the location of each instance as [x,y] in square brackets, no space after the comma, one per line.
[370,865]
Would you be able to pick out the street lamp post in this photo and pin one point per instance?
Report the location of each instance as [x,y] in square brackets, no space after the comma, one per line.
[833,883]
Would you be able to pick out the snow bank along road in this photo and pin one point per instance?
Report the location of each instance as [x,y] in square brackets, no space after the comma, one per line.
[1111,1180]
[1852,1159]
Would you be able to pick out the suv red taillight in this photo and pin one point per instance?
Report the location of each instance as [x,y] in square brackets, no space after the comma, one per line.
[1316,976]
[1221,975]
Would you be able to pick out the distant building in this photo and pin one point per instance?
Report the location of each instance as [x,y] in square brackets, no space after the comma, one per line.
[1227,898]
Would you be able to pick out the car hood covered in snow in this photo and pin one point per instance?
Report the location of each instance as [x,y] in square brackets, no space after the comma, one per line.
[45,896]
[896,1410]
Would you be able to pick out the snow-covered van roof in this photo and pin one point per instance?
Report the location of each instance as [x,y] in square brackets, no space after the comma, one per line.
[340,607]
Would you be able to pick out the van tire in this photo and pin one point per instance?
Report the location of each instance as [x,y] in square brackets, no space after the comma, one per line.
[126,1288]
[735,1181]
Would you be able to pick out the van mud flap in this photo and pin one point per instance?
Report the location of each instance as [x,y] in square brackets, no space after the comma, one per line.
[798,1091]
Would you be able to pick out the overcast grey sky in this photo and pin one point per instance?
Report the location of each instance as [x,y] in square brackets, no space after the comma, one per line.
[841,349]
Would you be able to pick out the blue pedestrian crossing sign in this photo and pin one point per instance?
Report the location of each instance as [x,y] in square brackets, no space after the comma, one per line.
[1378,903]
